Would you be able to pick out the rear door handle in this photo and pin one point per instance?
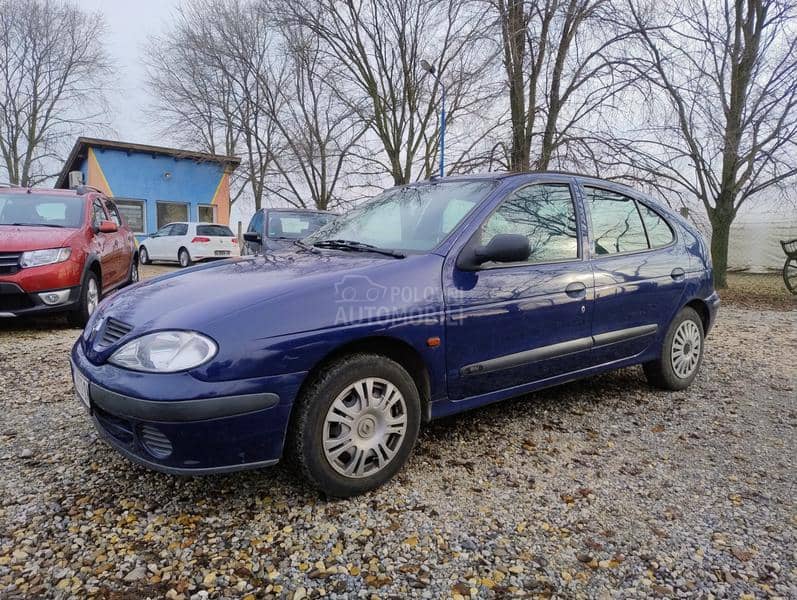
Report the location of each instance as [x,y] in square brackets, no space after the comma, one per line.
[576,289]
[677,273]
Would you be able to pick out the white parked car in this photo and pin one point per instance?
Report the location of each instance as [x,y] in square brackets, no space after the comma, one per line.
[186,243]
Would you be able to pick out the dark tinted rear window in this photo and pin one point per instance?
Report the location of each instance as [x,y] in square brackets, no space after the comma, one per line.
[214,230]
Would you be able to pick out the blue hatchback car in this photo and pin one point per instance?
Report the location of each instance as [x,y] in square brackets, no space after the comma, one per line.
[429,300]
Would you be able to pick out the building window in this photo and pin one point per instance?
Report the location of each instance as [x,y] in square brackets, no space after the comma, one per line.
[134,213]
[169,212]
[207,213]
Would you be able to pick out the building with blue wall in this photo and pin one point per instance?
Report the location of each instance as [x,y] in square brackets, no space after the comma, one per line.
[153,185]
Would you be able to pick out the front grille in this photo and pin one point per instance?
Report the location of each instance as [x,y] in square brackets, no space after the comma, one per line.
[154,442]
[9,262]
[114,331]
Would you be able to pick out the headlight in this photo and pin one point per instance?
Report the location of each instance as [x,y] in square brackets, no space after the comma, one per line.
[165,352]
[37,258]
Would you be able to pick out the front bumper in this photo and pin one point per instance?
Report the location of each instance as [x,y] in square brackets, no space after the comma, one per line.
[16,302]
[228,431]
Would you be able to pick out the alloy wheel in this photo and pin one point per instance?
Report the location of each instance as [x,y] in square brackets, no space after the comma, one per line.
[364,427]
[92,296]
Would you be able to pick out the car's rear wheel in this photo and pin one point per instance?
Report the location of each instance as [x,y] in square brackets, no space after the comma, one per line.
[355,425]
[133,276]
[143,255]
[184,258]
[681,353]
[90,294]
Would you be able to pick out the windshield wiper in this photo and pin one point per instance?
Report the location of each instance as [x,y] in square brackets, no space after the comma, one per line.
[353,246]
[34,225]
[304,246]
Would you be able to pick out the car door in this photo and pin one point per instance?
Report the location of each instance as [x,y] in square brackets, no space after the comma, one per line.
[103,243]
[177,237]
[157,241]
[640,273]
[120,249]
[513,324]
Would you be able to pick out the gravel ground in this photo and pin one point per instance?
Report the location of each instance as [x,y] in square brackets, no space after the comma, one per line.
[600,488]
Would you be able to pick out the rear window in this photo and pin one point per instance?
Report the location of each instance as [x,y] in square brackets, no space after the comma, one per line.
[214,231]
[38,210]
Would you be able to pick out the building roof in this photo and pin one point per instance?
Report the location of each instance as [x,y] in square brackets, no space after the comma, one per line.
[80,151]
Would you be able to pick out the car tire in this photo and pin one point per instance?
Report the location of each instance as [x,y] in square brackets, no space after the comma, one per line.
[133,276]
[681,353]
[143,255]
[90,295]
[324,447]
[184,258]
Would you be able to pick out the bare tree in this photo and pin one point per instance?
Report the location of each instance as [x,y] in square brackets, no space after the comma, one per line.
[722,113]
[379,45]
[205,74]
[564,68]
[52,63]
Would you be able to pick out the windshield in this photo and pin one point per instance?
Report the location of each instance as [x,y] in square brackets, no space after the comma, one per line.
[42,211]
[295,225]
[412,218]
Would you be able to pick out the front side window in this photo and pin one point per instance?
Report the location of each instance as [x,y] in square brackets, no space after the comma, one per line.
[616,224]
[545,214]
[34,210]
[659,232]
[98,213]
[256,224]
[411,218]
[169,212]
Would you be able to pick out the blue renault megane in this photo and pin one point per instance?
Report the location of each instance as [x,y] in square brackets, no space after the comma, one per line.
[430,299]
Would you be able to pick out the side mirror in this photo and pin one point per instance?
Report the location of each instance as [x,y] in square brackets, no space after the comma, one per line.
[108,227]
[254,237]
[504,247]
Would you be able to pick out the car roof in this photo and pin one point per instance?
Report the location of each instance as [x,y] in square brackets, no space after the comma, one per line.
[34,191]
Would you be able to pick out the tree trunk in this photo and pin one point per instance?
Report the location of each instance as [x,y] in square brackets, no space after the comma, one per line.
[720,236]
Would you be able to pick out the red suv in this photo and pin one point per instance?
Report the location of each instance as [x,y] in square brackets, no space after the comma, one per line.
[61,250]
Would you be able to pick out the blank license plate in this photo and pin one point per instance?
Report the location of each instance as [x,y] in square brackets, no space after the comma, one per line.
[222,252]
[81,387]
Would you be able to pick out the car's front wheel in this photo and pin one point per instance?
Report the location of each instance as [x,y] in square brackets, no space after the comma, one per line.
[681,353]
[355,425]
[90,293]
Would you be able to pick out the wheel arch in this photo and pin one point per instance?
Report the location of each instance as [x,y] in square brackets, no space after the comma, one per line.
[701,308]
[390,347]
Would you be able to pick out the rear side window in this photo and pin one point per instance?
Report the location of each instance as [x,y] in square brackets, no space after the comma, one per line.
[214,231]
[616,224]
[179,229]
[113,213]
[545,214]
[659,232]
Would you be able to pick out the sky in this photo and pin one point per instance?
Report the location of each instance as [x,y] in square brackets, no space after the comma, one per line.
[129,23]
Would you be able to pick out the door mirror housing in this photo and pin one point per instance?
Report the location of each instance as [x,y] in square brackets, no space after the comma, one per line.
[108,227]
[254,237]
[503,248]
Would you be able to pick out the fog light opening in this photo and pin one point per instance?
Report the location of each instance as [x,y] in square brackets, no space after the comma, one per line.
[54,297]
[155,442]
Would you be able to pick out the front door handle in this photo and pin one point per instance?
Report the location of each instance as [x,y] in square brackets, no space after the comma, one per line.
[576,289]
[677,273]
